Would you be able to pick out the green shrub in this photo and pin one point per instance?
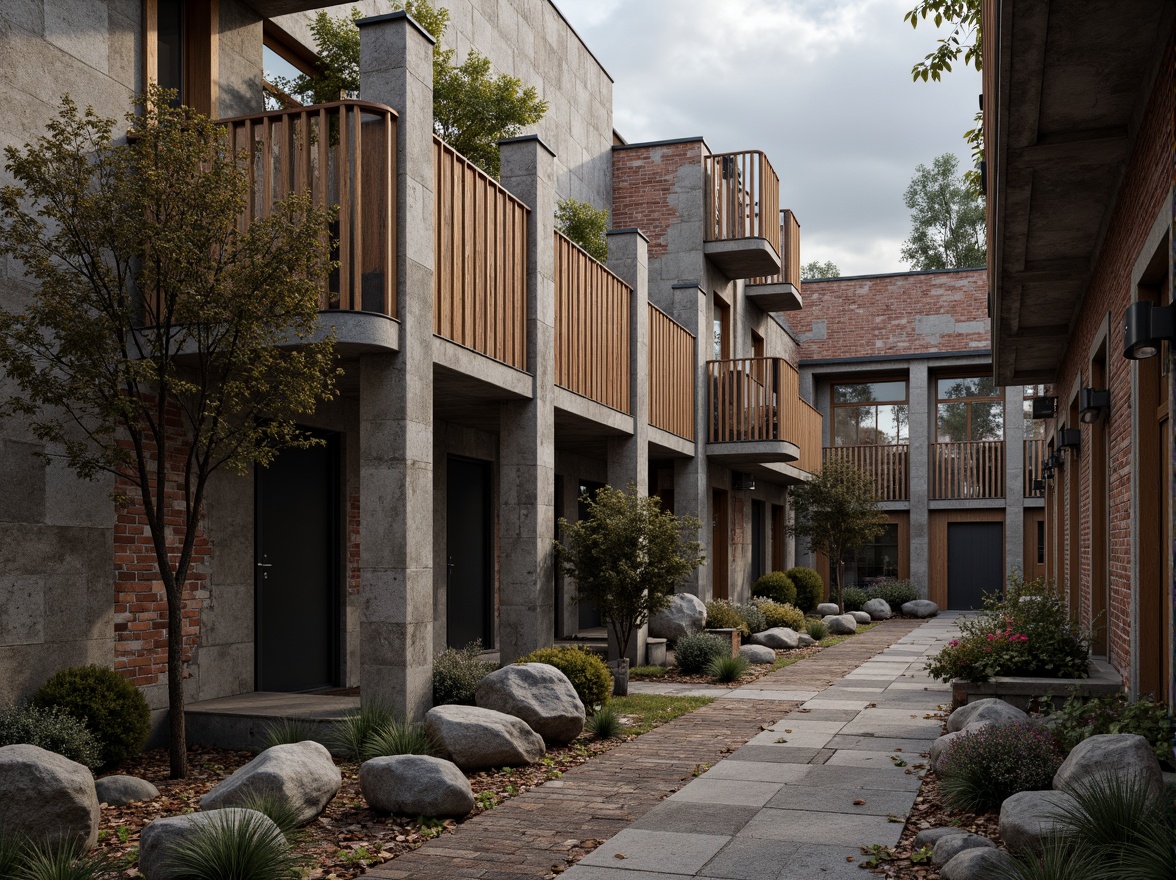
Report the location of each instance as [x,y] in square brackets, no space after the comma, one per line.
[352,732]
[695,652]
[114,710]
[748,619]
[585,670]
[228,850]
[457,672]
[1028,631]
[727,668]
[287,731]
[752,617]
[810,589]
[605,724]
[896,593]
[584,225]
[1079,718]
[817,629]
[983,767]
[781,615]
[399,737]
[51,729]
[777,586]
[853,599]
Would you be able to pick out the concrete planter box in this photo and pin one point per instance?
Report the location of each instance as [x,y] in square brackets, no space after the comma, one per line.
[729,633]
[1022,692]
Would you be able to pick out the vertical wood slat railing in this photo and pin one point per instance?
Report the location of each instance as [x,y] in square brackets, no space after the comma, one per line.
[743,197]
[343,154]
[480,247]
[789,255]
[1034,460]
[888,465]
[671,375]
[968,469]
[593,327]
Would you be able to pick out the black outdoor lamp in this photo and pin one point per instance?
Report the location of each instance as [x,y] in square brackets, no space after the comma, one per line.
[1145,326]
[1053,462]
[1039,485]
[1069,438]
[1093,404]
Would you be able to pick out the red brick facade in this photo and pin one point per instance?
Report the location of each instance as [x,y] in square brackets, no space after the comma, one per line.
[644,182]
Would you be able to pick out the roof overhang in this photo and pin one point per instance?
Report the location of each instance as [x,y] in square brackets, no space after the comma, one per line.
[1065,88]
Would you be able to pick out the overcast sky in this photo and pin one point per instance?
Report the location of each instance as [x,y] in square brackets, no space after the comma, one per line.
[822,86]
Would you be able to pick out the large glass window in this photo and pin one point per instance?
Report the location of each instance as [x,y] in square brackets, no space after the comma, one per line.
[970,408]
[1034,428]
[870,413]
[878,559]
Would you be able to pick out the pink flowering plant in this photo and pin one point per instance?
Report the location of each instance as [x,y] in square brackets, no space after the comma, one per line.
[1027,630]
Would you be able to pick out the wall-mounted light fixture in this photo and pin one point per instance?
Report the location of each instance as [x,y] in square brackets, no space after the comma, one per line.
[1069,438]
[1039,485]
[1093,404]
[1045,407]
[1145,326]
[1047,472]
[1053,462]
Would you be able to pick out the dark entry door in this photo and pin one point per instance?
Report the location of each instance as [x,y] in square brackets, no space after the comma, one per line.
[589,617]
[296,573]
[757,540]
[469,598]
[720,543]
[975,562]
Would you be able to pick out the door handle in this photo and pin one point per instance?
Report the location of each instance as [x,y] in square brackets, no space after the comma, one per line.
[265,565]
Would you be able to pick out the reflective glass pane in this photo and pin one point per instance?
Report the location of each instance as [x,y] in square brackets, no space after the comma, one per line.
[852,424]
[892,424]
[971,386]
[169,47]
[987,421]
[869,392]
[953,422]
[1034,428]
[858,392]
[887,391]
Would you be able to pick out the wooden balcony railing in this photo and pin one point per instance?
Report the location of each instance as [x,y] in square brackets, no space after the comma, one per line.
[343,154]
[592,328]
[743,198]
[480,282]
[888,465]
[789,253]
[1034,459]
[671,375]
[973,469]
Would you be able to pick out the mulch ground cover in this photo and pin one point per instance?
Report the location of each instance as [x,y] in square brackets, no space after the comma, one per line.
[674,675]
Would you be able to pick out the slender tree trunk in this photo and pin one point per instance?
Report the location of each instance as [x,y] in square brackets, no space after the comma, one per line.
[178,735]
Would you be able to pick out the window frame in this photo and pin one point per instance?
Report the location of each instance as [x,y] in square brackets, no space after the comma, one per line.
[997,397]
[834,406]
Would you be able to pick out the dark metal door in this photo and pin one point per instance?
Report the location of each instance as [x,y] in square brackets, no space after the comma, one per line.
[297,568]
[757,540]
[469,597]
[975,563]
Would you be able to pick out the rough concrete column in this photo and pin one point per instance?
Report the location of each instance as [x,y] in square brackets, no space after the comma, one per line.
[396,393]
[691,487]
[922,426]
[628,456]
[526,505]
[1014,424]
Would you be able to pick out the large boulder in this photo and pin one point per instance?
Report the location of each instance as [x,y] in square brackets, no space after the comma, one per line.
[1118,755]
[475,738]
[302,775]
[47,798]
[947,848]
[990,709]
[757,654]
[1028,817]
[804,640]
[878,609]
[160,838]
[978,863]
[779,638]
[539,694]
[828,608]
[415,785]
[919,608]
[862,617]
[940,747]
[118,791]
[840,624]
[685,615]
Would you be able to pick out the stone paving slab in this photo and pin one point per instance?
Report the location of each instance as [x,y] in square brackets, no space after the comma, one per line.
[666,851]
[844,800]
[806,826]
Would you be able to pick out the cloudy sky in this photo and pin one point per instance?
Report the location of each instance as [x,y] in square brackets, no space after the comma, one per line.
[822,86]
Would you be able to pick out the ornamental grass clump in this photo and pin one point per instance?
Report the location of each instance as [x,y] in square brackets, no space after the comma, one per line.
[605,724]
[983,767]
[817,630]
[727,669]
[1028,631]
[695,652]
[229,848]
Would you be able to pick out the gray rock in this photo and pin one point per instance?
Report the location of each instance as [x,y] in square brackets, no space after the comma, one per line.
[780,638]
[686,614]
[46,797]
[828,608]
[990,709]
[301,774]
[929,836]
[804,640]
[940,746]
[878,609]
[983,863]
[840,624]
[920,608]
[1118,755]
[947,848]
[757,654]
[475,738]
[415,785]
[539,694]
[160,838]
[862,617]
[118,791]
[1029,816]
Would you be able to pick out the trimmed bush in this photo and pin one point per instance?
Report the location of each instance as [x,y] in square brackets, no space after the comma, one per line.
[727,668]
[854,598]
[817,629]
[585,670]
[748,619]
[781,615]
[810,589]
[1079,718]
[113,709]
[983,767]
[457,672]
[51,729]
[896,593]
[695,652]
[777,586]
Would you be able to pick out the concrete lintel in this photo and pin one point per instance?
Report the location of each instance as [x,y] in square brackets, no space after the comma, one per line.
[609,419]
[494,379]
[394,16]
[667,445]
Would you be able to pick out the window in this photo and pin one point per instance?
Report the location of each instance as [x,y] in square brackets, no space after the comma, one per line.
[722,330]
[181,50]
[1034,428]
[969,409]
[870,413]
[284,59]
[878,559]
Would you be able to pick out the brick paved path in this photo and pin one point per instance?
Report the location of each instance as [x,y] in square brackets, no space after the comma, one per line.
[525,837]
